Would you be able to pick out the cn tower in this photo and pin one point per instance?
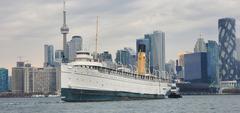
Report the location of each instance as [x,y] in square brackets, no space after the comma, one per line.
[64,30]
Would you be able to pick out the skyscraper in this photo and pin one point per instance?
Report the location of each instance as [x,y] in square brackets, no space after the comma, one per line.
[3,80]
[132,57]
[74,45]
[227,44]
[48,55]
[213,61]
[200,46]
[126,57]
[58,55]
[157,50]
[195,67]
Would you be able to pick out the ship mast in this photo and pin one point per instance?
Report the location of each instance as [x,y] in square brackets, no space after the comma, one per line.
[96,43]
[95,56]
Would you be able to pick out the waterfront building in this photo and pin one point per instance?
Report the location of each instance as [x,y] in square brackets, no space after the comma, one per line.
[74,45]
[157,50]
[200,46]
[48,55]
[3,80]
[213,62]
[195,67]
[17,82]
[35,80]
[227,52]
[45,80]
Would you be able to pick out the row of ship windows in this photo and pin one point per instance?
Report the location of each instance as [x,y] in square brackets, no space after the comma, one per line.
[117,72]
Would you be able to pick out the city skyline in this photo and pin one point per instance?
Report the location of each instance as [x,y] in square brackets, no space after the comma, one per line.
[27,27]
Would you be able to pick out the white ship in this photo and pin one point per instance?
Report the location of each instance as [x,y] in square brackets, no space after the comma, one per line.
[86,80]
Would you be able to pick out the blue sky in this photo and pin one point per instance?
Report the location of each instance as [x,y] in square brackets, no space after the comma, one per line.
[26,25]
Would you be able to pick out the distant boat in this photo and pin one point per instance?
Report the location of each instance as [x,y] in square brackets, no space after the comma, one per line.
[174,92]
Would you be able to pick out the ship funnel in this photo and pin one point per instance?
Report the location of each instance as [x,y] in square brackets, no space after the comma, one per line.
[141,63]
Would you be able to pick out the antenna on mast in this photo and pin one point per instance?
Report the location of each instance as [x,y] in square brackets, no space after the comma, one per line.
[64,5]
[96,49]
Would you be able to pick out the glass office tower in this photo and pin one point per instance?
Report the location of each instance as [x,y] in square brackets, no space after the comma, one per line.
[157,50]
[227,45]
[213,61]
[3,80]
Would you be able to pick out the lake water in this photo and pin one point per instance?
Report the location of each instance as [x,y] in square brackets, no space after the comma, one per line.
[187,104]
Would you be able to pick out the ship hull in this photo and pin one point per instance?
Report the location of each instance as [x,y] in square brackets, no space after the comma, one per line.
[81,95]
[83,85]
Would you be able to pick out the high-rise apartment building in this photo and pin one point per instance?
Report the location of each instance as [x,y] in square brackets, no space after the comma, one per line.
[3,80]
[126,57]
[157,50]
[17,82]
[74,45]
[48,55]
[58,56]
[45,80]
[29,79]
[227,45]
[132,58]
